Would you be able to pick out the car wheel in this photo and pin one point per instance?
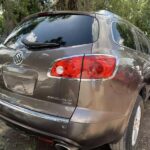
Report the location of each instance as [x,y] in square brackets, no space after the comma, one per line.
[130,139]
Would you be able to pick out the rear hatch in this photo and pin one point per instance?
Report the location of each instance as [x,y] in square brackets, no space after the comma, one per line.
[29,53]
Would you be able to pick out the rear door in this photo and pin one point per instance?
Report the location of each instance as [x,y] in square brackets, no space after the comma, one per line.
[25,67]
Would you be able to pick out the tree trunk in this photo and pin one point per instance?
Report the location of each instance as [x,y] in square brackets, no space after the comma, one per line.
[61,5]
[72,4]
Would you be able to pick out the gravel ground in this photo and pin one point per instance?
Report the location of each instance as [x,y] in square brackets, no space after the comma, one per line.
[13,140]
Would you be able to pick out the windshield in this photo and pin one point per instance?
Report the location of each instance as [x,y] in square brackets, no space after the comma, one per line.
[64,29]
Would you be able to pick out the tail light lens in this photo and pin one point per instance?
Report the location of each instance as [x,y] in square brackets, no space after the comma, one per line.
[98,66]
[85,67]
[67,68]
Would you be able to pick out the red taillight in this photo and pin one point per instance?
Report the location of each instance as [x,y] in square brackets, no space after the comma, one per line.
[87,67]
[98,66]
[67,68]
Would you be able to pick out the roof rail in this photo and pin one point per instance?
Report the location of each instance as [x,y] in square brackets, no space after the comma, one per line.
[107,13]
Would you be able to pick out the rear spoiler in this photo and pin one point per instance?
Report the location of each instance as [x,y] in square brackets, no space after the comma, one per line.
[40,14]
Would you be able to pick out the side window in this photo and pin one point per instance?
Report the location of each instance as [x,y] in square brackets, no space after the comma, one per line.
[123,35]
[143,43]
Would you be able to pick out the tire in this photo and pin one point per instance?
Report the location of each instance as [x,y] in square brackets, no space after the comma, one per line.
[127,142]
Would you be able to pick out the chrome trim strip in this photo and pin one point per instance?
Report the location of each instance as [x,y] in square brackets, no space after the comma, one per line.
[32,113]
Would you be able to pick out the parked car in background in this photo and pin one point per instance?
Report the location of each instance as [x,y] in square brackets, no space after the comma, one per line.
[77,78]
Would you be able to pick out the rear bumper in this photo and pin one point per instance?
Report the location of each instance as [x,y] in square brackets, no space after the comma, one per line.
[77,131]
[34,121]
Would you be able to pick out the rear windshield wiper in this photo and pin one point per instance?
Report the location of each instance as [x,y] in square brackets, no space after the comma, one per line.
[39,45]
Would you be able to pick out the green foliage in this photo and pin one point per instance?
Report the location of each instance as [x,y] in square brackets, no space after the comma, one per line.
[15,10]
[1,24]
[136,11]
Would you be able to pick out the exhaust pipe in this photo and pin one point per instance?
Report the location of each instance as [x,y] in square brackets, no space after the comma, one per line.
[65,147]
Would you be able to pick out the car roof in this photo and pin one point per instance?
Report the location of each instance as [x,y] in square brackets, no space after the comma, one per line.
[113,17]
[107,13]
[58,12]
[104,13]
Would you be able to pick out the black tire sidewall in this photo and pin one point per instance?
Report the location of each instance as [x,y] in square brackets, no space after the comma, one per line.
[128,134]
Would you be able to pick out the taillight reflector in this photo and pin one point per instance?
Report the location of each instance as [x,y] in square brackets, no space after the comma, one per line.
[85,67]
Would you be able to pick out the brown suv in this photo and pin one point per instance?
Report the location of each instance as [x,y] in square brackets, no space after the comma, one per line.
[77,78]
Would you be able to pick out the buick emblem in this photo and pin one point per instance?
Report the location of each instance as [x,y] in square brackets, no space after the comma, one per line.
[18,58]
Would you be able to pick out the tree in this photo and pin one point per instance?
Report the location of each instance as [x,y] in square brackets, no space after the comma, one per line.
[1,24]
[15,10]
[136,11]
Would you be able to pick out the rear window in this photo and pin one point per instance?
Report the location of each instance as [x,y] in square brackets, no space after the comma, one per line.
[65,29]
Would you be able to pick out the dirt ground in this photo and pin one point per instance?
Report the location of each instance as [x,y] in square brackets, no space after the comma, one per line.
[13,140]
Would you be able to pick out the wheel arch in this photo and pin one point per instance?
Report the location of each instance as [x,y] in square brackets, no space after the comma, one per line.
[143,92]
